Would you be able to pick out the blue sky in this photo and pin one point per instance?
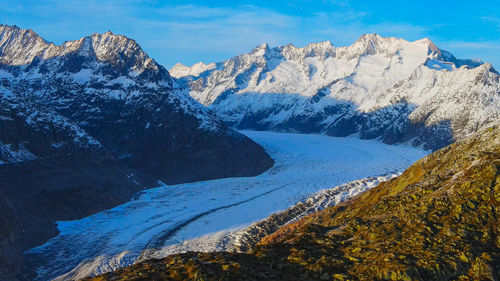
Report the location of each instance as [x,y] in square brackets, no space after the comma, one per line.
[191,31]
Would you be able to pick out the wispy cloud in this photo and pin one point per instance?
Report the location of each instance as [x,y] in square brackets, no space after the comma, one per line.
[474,45]
[484,50]
[202,30]
[494,20]
[192,32]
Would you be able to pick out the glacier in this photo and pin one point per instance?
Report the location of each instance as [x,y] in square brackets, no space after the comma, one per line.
[165,219]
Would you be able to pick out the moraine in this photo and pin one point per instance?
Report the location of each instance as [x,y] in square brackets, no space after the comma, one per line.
[163,220]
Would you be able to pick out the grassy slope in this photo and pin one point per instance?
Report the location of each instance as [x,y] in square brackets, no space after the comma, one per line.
[439,220]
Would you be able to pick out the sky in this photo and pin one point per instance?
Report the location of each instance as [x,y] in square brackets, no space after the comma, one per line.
[211,31]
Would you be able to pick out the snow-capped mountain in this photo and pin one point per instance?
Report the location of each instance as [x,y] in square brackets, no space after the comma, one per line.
[85,125]
[113,91]
[378,87]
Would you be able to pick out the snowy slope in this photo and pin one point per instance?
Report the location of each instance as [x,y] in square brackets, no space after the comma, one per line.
[168,215]
[378,87]
[180,70]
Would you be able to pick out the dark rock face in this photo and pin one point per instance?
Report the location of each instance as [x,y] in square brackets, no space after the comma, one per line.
[391,124]
[439,220]
[11,255]
[85,125]
[51,170]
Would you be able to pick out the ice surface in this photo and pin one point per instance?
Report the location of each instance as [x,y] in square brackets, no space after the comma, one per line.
[168,215]
[231,239]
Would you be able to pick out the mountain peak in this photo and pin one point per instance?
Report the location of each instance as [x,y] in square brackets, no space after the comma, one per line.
[371,43]
[260,50]
[179,65]
[110,39]
[433,49]
[123,53]
[200,64]
[5,27]
[425,40]
[487,67]
[22,46]
[110,34]
[323,50]
[180,70]
[320,45]
[370,37]
[10,30]
[19,46]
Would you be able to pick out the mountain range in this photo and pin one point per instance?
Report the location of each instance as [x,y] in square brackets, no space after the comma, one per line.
[377,88]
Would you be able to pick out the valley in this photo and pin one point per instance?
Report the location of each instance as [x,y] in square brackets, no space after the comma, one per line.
[282,163]
[166,219]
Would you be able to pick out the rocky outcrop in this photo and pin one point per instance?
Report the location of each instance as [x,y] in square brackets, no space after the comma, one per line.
[439,220]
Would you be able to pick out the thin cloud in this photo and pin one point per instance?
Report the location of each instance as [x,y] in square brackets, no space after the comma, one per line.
[484,50]
[492,20]
[190,33]
[474,45]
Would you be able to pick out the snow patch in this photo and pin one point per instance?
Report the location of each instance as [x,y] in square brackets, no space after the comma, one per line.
[10,153]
